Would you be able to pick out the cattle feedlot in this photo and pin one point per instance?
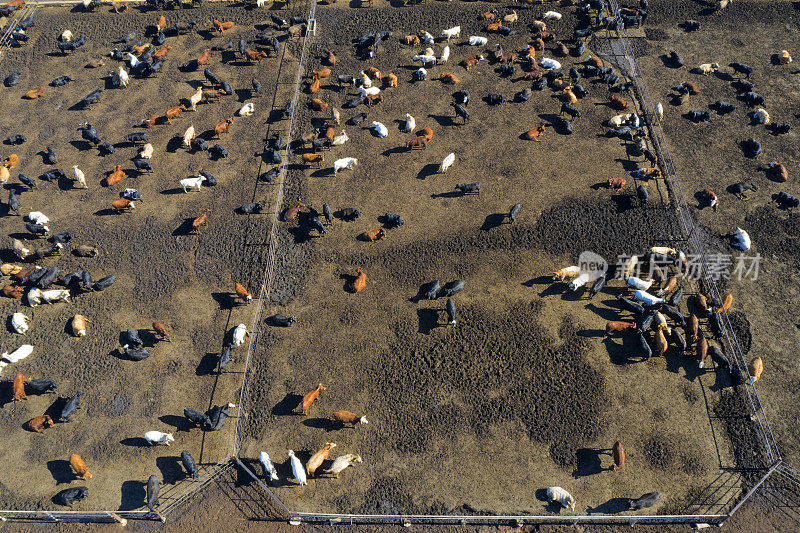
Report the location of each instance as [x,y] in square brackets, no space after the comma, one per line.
[494,287]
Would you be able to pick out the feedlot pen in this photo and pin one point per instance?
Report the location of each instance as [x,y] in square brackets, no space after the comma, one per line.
[476,418]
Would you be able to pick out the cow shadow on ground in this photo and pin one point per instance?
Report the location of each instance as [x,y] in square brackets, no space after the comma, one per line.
[449,194]
[288,405]
[55,408]
[80,145]
[6,393]
[225,300]
[428,170]
[349,279]
[171,468]
[184,229]
[628,165]
[60,470]
[207,365]
[395,150]
[133,494]
[618,349]
[493,220]
[589,462]
[691,370]
[180,423]
[623,202]
[443,120]
[612,506]
[134,442]
[321,423]
[428,320]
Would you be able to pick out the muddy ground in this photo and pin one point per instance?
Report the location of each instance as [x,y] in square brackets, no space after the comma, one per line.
[163,272]
[523,392]
[708,155]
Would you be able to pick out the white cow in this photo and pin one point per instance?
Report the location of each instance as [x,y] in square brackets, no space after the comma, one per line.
[452,32]
[239,333]
[447,162]
[370,91]
[297,468]
[342,462]
[638,283]
[647,299]
[154,438]
[132,61]
[146,151]
[476,40]
[269,468]
[366,82]
[80,177]
[246,110]
[19,323]
[550,63]
[124,79]
[196,97]
[339,140]
[552,15]
[425,59]
[445,55]
[66,35]
[19,354]
[410,124]
[188,135]
[659,111]
[192,183]
[740,240]
[34,297]
[380,129]
[426,37]
[557,494]
[55,295]
[37,217]
[343,163]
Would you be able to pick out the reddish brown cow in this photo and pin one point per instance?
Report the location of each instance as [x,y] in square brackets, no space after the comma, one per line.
[618,453]
[417,142]
[223,127]
[18,388]
[173,112]
[615,183]
[123,204]
[291,212]
[12,291]
[309,398]
[40,423]
[314,158]
[222,26]
[373,235]
[203,59]
[618,326]
[200,220]
[115,176]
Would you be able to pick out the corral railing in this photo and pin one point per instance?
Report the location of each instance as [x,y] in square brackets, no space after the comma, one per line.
[16,17]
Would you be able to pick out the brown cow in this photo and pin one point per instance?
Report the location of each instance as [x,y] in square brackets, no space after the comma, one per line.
[318,458]
[618,453]
[12,291]
[223,127]
[390,80]
[411,40]
[208,94]
[115,176]
[18,388]
[318,105]
[417,142]
[314,158]
[321,73]
[373,100]
[291,212]
[538,44]
[255,56]
[360,281]
[222,26]
[470,62]
[162,23]
[40,423]
[313,87]
[615,183]
[309,398]
[139,49]
[161,329]
[150,122]
[594,61]
[119,8]
[449,78]
[176,111]
[123,204]
[330,58]
[200,220]
[33,94]
[373,235]
[569,96]
[373,73]
[75,461]
[493,27]
[428,133]
[536,133]
[618,326]
[242,293]
[618,103]
[162,53]
[346,417]
[692,327]
[203,59]
[11,161]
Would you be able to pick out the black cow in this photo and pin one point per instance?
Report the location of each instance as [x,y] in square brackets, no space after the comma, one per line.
[70,407]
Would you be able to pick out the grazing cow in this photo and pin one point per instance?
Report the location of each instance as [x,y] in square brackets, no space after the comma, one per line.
[79,467]
[342,462]
[155,438]
[33,94]
[618,453]
[198,222]
[173,112]
[651,498]
[297,468]
[318,458]
[153,488]
[123,204]
[469,188]
[188,463]
[447,162]
[222,127]
[314,158]
[741,68]
[70,406]
[451,32]
[162,331]
[222,26]
[359,282]
[18,388]
[344,163]
[69,496]
[40,423]
[559,495]
[373,235]
[309,398]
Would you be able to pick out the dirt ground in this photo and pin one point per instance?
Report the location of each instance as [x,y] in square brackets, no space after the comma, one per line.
[163,272]
[524,392]
[770,304]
